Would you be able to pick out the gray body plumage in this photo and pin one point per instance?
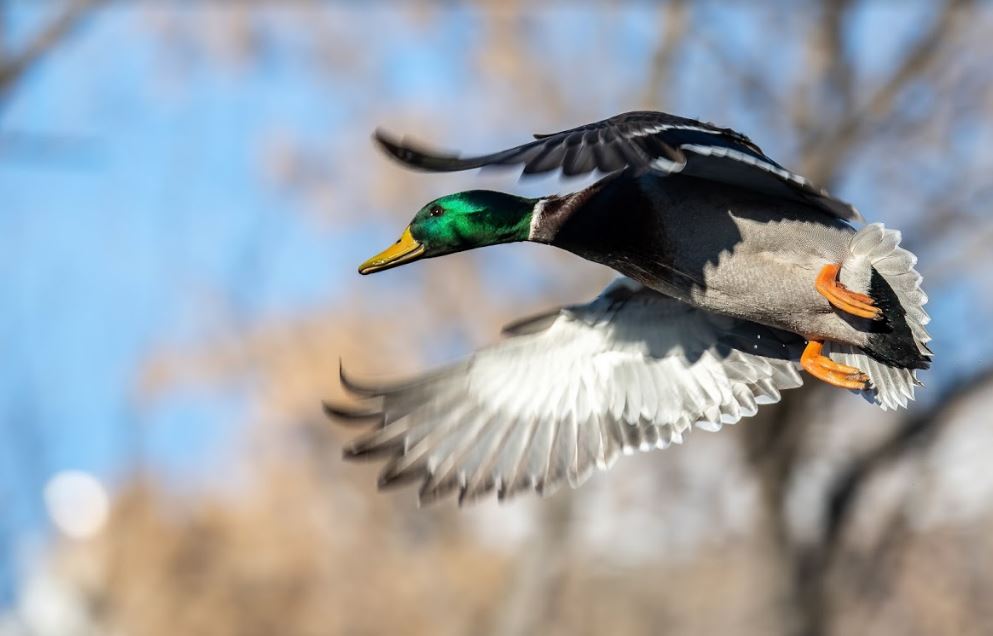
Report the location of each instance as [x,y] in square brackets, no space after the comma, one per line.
[749,256]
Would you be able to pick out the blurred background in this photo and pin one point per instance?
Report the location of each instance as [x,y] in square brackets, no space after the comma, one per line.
[186,189]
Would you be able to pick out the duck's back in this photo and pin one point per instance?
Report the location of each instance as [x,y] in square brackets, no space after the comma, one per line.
[718,247]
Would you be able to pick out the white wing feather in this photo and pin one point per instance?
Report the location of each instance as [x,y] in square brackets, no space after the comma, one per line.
[632,370]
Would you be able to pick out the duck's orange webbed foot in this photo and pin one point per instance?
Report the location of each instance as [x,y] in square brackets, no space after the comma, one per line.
[824,368]
[841,297]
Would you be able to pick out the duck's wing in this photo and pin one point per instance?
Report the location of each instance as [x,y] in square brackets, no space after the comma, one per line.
[642,140]
[570,391]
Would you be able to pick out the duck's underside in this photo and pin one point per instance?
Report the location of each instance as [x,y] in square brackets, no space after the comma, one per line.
[568,392]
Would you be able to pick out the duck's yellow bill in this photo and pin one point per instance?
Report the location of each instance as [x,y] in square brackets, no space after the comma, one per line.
[406,249]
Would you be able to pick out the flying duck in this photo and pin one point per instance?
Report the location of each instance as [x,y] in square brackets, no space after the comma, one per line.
[736,274]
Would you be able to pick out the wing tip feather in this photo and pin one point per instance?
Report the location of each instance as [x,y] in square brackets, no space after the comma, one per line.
[349,415]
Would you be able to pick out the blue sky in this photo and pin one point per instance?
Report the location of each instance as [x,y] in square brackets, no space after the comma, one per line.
[147,205]
[152,200]
[109,249]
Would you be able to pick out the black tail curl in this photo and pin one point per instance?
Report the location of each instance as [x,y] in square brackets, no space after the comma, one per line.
[891,341]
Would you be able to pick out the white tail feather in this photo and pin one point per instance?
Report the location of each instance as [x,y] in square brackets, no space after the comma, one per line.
[875,247]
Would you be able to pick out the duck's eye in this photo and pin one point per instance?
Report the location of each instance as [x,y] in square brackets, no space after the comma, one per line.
[436,210]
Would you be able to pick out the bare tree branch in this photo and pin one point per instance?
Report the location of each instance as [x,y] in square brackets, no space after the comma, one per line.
[675,17]
[752,84]
[840,74]
[826,147]
[772,443]
[814,562]
[529,600]
[824,92]
[14,65]
[916,432]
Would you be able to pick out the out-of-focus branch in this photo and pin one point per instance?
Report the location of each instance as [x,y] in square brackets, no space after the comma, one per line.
[916,432]
[814,562]
[751,83]
[13,65]
[675,19]
[824,91]
[773,441]
[826,146]
[840,74]
[950,211]
[836,126]
[972,251]
[530,597]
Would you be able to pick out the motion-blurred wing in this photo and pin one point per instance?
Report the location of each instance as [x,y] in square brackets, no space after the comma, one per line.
[641,140]
[569,391]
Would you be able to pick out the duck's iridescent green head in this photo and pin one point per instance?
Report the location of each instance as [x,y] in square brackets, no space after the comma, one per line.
[457,222]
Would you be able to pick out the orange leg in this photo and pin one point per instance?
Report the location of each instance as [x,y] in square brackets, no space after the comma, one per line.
[843,298]
[824,368]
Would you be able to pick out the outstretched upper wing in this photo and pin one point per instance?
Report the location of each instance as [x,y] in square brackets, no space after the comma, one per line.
[568,391]
[642,140]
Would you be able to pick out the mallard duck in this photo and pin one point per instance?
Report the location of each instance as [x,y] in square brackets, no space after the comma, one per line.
[736,274]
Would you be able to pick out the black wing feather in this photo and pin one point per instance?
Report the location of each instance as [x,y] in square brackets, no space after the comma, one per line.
[642,140]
